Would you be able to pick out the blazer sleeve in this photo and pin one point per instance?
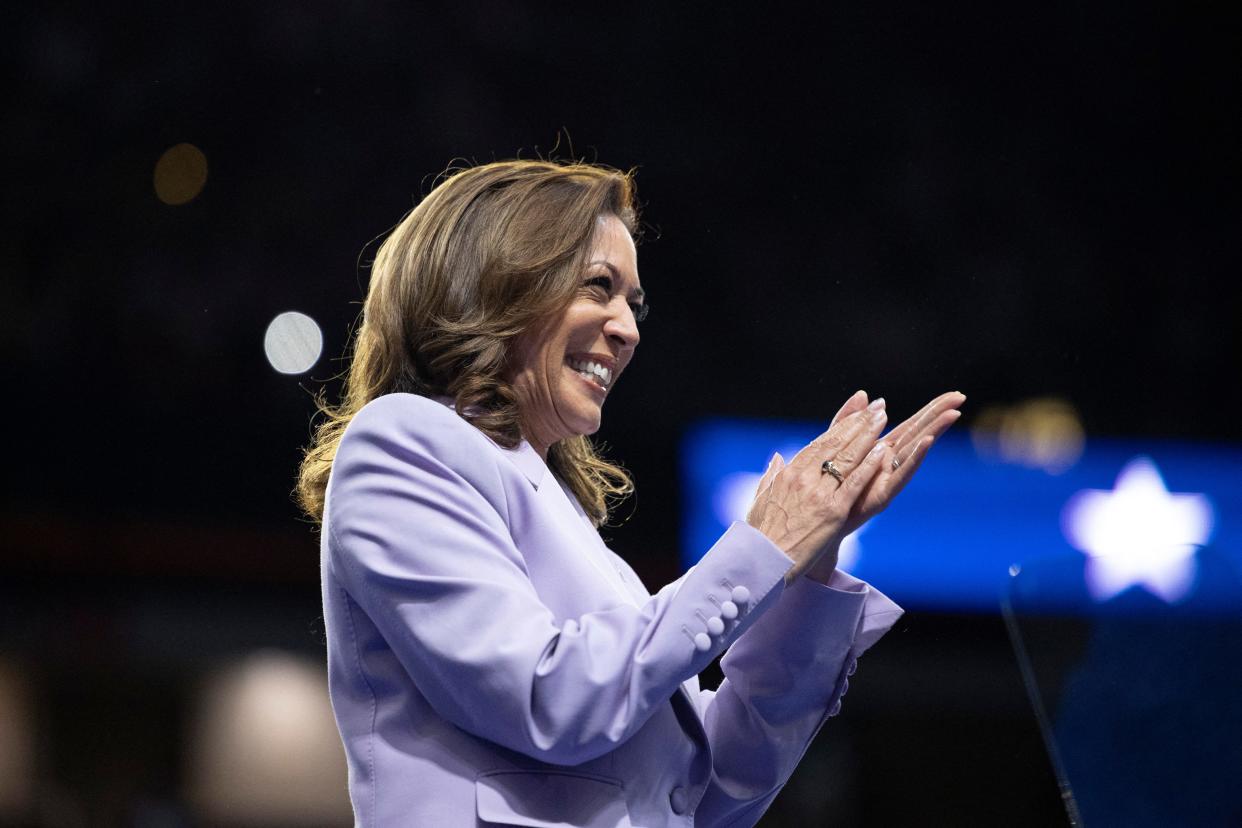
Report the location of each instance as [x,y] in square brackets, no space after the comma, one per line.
[417,533]
[783,679]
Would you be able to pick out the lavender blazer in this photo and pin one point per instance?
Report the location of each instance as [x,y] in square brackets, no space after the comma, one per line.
[492,662]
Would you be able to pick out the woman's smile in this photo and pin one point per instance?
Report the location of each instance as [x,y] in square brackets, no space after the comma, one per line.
[595,370]
[592,382]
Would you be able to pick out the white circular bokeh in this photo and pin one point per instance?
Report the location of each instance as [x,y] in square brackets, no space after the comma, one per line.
[293,343]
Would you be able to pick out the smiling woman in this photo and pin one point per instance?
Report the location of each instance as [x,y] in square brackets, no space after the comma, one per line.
[566,367]
[491,660]
[495,258]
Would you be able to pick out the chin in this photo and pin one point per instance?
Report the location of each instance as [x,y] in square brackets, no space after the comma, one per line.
[584,426]
[587,430]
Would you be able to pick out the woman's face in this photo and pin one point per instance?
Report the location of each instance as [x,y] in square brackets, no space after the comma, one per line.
[550,372]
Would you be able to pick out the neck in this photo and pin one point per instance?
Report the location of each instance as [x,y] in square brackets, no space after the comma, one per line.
[536,442]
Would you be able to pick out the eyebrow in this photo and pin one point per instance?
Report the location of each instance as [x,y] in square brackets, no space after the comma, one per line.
[636,295]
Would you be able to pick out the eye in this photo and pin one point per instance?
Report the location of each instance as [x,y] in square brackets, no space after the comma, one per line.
[640,309]
[601,281]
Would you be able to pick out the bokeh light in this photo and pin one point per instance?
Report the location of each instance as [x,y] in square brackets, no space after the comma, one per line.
[265,749]
[293,343]
[1042,433]
[16,745]
[180,174]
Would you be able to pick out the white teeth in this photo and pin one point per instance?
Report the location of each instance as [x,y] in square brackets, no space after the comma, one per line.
[604,375]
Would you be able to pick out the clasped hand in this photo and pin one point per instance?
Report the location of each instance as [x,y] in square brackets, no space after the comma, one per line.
[807,512]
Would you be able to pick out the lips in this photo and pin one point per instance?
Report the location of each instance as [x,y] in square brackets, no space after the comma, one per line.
[587,380]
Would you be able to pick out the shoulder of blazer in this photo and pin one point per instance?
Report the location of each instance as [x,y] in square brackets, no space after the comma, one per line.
[409,426]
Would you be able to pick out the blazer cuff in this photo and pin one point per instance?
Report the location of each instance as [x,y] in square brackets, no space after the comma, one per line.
[739,580]
[879,612]
[798,652]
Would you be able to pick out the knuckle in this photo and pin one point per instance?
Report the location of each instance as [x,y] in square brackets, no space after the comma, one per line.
[828,443]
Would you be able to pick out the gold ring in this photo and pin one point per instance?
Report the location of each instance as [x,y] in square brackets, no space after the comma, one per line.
[829,468]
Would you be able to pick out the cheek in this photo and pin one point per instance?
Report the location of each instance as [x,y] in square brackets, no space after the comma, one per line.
[528,356]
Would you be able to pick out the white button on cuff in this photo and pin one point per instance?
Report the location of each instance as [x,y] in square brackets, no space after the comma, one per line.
[702,643]
[836,708]
[678,799]
[741,594]
[715,626]
[728,610]
[853,666]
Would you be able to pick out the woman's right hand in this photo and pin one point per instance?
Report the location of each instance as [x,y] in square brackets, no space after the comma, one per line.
[802,509]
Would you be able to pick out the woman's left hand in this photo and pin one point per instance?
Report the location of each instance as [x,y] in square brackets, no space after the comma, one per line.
[908,444]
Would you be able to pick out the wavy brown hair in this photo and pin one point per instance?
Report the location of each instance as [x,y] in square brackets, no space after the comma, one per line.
[491,251]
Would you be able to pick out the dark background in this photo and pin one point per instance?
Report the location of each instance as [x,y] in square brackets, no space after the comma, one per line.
[1014,201]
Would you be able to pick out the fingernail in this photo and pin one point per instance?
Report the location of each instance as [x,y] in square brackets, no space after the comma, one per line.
[877,450]
[876,404]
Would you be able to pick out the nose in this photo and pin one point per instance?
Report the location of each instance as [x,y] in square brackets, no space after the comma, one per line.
[621,327]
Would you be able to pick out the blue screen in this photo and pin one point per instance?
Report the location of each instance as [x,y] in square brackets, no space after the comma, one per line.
[1135,513]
